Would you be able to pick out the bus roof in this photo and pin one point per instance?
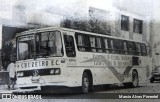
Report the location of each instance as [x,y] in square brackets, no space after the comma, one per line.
[71,30]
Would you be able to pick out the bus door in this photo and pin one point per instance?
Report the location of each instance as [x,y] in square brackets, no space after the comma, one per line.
[70,50]
[69,46]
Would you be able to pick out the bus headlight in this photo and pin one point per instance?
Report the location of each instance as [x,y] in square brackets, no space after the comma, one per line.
[52,71]
[57,71]
[20,74]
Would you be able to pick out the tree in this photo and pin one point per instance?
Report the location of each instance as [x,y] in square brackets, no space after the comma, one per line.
[8,52]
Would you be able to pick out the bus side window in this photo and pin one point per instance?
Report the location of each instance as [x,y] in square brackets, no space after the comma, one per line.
[138,50]
[69,45]
[143,49]
[117,46]
[106,45]
[93,43]
[99,45]
[125,47]
[81,43]
[121,47]
[133,48]
[111,47]
[130,48]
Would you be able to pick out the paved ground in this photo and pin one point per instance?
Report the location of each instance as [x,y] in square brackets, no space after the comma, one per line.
[144,88]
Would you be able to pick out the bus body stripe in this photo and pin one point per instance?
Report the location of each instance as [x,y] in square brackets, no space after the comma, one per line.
[102,58]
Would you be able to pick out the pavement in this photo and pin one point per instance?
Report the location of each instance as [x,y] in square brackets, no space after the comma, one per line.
[4,89]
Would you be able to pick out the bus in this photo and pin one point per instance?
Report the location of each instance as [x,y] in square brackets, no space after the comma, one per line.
[56,56]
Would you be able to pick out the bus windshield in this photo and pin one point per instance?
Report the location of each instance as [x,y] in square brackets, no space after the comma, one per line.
[25,47]
[44,44]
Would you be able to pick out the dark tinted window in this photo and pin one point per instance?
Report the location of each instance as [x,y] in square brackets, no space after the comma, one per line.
[83,42]
[124,23]
[69,45]
[106,45]
[138,26]
[99,44]
[138,49]
[131,48]
[91,43]
[143,49]
[125,47]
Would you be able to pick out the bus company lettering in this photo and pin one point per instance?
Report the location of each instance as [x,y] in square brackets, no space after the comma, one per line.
[115,57]
[126,58]
[39,64]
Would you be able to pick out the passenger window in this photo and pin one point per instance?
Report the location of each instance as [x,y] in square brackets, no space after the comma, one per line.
[111,47]
[69,45]
[125,48]
[143,49]
[106,45]
[81,43]
[134,48]
[117,46]
[93,44]
[130,45]
[138,50]
[121,47]
[99,46]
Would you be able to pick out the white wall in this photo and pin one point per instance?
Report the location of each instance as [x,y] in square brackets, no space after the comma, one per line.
[43,18]
[6,9]
[45,11]
[138,9]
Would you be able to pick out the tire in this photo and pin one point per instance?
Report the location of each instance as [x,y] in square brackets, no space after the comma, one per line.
[151,80]
[85,83]
[135,80]
[134,83]
[127,85]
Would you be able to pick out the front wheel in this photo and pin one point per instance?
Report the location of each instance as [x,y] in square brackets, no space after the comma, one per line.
[85,83]
[135,80]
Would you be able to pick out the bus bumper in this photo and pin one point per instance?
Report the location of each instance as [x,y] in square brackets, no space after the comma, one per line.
[38,86]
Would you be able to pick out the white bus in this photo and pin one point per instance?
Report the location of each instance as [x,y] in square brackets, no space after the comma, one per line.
[65,57]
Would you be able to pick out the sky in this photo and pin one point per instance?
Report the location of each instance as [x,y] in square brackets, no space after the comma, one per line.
[69,7]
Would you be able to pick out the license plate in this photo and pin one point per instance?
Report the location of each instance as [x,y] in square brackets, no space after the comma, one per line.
[35,79]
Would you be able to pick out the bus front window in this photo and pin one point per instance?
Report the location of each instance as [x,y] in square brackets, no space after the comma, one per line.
[25,47]
[49,44]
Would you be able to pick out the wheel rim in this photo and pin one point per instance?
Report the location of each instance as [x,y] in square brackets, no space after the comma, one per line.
[135,79]
[85,84]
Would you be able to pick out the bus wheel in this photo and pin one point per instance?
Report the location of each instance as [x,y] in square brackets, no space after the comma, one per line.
[135,81]
[85,83]
[151,80]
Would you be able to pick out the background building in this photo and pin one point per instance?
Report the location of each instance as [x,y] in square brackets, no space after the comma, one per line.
[130,19]
[155,32]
